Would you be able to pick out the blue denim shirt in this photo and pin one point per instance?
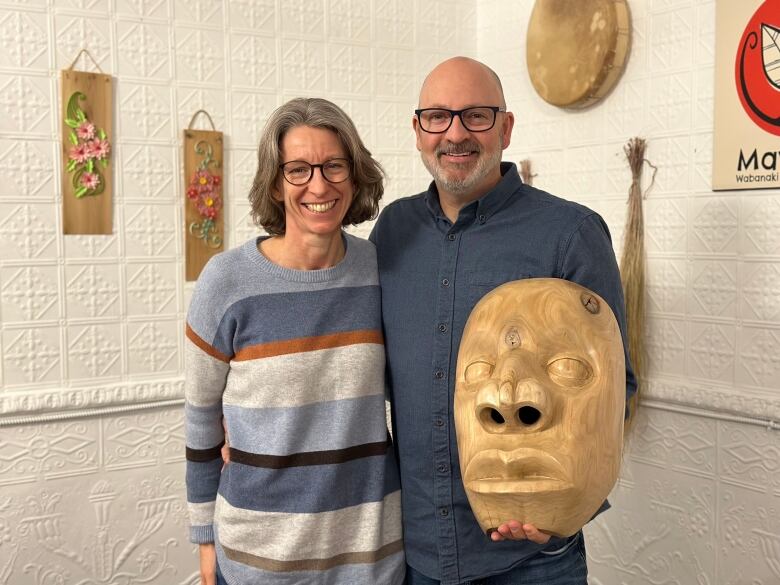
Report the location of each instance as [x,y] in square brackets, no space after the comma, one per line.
[432,273]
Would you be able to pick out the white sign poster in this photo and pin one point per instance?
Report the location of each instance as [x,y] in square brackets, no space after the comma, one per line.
[746,146]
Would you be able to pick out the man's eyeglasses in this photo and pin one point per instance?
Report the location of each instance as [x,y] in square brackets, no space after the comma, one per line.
[299,172]
[438,120]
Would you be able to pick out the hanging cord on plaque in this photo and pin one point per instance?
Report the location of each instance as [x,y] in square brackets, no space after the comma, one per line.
[198,113]
[88,54]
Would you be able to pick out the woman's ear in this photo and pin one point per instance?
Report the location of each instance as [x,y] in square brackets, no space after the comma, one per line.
[276,191]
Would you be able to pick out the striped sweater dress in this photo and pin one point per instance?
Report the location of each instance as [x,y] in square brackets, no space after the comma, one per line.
[294,361]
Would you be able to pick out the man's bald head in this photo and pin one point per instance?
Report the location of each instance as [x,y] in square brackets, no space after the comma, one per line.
[459,71]
[465,163]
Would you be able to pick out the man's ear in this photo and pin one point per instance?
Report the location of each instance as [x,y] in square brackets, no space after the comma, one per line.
[415,126]
[506,128]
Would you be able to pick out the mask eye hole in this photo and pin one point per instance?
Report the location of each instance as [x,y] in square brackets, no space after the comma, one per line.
[568,371]
[479,370]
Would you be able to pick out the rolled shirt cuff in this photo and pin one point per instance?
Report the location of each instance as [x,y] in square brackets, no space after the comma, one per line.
[202,534]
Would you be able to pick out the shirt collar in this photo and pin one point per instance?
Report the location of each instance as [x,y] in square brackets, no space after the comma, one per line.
[486,205]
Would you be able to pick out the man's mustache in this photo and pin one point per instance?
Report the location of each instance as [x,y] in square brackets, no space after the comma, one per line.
[459,148]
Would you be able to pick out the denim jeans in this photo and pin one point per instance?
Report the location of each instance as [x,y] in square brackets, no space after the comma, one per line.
[564,566]
[220,577]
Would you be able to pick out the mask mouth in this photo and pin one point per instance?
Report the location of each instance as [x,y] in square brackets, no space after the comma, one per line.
[522,470]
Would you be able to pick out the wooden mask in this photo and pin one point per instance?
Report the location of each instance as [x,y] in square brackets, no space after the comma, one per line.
[539,405]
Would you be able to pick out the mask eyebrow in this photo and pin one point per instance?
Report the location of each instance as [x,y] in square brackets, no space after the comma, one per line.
[474,341]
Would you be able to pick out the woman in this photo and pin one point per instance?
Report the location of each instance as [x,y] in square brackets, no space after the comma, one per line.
[284,340]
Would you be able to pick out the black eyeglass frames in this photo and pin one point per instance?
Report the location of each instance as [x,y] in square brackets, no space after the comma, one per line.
[476,119]
[300,172]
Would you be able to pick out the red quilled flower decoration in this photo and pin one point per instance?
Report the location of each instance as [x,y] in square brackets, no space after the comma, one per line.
[204,191]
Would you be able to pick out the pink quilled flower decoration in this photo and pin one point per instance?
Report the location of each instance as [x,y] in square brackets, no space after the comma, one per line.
[90,180]
[203,190]
[98,149]
[203,181]
[89,151]
[80,153]
[208,206]
[86,131]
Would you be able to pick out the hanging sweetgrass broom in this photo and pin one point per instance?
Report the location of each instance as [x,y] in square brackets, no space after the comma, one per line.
[632,267]
[526,174]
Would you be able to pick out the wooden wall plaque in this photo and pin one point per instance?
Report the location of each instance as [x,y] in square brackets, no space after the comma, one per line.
[203,202]
[87,169]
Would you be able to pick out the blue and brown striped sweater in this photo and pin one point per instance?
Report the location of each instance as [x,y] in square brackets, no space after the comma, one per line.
[294,361]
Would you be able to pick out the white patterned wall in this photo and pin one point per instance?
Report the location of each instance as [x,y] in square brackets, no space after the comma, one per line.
[714,270]
[96,321]
[699,497]
[93,320]
[100,499]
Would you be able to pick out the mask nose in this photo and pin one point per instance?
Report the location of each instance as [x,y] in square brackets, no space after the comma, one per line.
[512,404]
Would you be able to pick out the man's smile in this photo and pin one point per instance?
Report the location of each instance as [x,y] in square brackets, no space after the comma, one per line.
[459,157]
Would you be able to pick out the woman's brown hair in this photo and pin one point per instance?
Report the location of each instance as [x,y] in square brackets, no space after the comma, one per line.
[366,173]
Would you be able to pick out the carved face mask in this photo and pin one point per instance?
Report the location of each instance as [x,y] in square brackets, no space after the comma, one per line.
[539,405]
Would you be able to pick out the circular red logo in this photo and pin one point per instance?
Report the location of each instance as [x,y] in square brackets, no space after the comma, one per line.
[757,67]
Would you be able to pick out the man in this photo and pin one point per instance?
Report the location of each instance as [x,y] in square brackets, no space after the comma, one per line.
[476,227]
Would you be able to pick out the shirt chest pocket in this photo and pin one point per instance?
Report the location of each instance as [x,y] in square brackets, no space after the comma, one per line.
[482,282]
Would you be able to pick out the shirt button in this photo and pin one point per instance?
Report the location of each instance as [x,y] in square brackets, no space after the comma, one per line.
[438,374]
[445,281]
[444,512]
[441,468]
[442,327]
[482,219]
[451,237]
[439,422]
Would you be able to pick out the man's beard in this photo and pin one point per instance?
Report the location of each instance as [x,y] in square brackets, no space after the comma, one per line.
[484,166]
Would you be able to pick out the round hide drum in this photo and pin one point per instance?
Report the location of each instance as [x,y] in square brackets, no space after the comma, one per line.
[577,49]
